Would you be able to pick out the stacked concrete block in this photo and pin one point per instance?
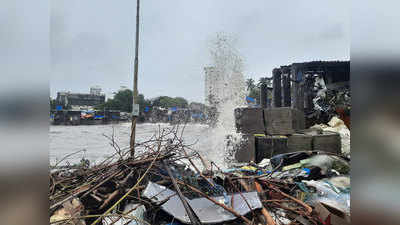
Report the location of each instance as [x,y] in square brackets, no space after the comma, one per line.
[283,120]
[328,141]
[268,146]
[299,142]
[245,150]
[249,120]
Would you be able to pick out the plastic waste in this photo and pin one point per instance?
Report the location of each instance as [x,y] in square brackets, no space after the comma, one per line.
[220,190]
[289,158]
[298,174]
[137,212]
[330,194]
[264,163]
[281,216]
[327,163]
[248,168]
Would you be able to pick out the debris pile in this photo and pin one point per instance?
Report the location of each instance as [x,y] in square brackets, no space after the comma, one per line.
[163,184]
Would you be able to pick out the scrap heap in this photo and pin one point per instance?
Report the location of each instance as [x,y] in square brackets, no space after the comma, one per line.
[163,185]
[285,173]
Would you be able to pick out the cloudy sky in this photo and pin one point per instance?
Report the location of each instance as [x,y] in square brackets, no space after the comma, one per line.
[92,41]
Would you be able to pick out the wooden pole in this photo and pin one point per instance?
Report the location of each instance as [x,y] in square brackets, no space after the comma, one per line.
[135,78]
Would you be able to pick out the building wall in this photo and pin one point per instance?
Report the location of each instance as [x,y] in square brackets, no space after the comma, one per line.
[210,82]
[96,90]
[78,99]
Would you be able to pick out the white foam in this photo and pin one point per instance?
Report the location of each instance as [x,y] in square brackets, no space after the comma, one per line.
[229,91]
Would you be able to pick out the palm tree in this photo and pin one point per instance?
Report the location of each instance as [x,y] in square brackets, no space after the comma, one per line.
[250,83]
[264,80]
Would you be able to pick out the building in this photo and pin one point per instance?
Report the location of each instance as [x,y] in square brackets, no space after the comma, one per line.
[96,90]
[210,85]
[294,84]
[78,101]
[318,88]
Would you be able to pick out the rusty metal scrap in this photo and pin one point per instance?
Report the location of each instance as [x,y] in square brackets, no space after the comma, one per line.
[104,190]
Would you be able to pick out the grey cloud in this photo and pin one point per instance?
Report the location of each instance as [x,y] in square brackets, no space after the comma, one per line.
[333,32]
[92,41]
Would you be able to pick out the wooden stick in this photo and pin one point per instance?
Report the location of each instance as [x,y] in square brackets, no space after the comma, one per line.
[268,217]
[127,193]
[109,199]
[308,208]
[101,183]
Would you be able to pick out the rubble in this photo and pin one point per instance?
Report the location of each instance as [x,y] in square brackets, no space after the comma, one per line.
[163,185]
[207,211]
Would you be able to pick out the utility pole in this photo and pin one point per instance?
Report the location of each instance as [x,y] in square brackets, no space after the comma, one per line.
[135,106]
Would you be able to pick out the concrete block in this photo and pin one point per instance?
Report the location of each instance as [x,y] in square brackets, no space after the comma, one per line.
[327,141]
[249,120]
[268,146]
[283,120]
[245,150]
[299,142]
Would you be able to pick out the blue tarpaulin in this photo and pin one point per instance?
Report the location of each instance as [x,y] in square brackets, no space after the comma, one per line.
[146,109]
[59,107]
[249,99]
[197,115]
[98,117]
[173,109]
[299,76]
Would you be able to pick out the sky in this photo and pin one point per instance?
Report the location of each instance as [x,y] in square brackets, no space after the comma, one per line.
[92,41]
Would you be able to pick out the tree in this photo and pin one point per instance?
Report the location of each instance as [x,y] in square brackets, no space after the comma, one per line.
[162,101]
[254,89]
[53,104]
[250,83]
[181,102]
[264,80]
[168,102]
[255,93]
[122,101]
[143,102]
